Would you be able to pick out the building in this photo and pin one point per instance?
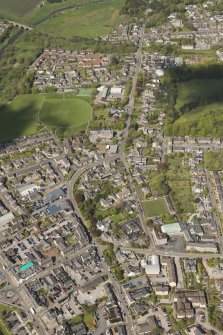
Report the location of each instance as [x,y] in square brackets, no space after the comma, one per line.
[159,237]
[202,247]
[147,327]
[27,189]
[186,302]
[151,265]
[171,272]
[171,229]
[5,219]
[161,290]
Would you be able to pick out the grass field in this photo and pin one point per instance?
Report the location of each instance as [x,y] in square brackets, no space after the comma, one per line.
[155,207]
[22,116]
[89,21]
[65,113]
[17,7]
[191,90]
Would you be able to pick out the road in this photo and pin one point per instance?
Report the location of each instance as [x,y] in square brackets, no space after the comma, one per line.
[169,253]
[121,155]
[130,109]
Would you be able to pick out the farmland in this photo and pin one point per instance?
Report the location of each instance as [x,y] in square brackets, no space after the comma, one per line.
[29,113]
[19,8]
[88,21]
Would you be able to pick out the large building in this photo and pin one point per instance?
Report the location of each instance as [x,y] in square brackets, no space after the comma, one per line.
[171,229]
[151,265]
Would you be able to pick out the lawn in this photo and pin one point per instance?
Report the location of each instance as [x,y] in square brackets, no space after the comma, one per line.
[155,207]
[88,21]
[21,117]
[17,7]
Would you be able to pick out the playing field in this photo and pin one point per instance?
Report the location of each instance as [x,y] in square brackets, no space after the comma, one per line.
[65,113]
[88,21]
[29,113]
[17,7]
[155,207]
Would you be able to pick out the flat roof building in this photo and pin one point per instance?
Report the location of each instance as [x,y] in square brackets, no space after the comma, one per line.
[171,229]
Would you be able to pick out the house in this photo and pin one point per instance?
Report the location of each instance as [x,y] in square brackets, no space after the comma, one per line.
[161,290]
[202,247]
[146,328]
[159,237]
[171,272]
[25,190]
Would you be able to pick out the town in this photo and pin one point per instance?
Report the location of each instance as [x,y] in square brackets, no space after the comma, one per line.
[113,225]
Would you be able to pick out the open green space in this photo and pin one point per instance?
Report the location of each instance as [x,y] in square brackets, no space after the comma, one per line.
[155,207]
[194,89]
[65,113]
[19,117]
[179,181]
[29,113]
[195,101]
[90,21]
[17,8]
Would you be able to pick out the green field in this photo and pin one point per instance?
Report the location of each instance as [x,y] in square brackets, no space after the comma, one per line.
[191,90]
[199,104]
[17,7]
[27,114]
[155,207]
[88,21]
[65,113]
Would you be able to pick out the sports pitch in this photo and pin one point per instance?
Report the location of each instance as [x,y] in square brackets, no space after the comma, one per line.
[30,113]
[155,207]
[65,113]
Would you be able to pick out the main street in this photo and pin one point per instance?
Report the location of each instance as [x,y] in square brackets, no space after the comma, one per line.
[121,155]
[131,105]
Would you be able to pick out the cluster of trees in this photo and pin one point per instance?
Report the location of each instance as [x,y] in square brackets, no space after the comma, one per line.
[53,1]
[110,258]
[208,124]
[213,160]
[134,7]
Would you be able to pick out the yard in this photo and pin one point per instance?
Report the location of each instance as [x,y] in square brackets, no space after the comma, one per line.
[179,181]
[155,207]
